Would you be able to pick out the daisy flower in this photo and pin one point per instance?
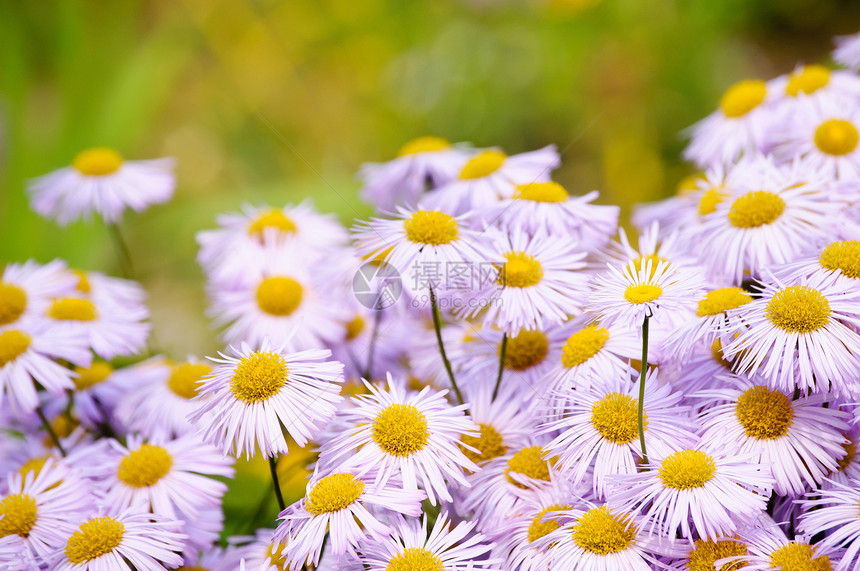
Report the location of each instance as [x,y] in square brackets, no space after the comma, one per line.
[833,512]
[769,548]
[538,284]
[840,257]
[422,164]
[170,477]
[490,176]
[814,81]
[411,546]
[260,552]
[415,436]
[795,335]
[503,422]
[680,210]
[715,489]
[798,440]
[599,428]
[131,539]
[738,127]
[704,553]
[101,181]
[108,290]
[27,289]
[339,504]
[98,389]
[44,508]
[847,51]
[655,245]
[547,208]
[249,397]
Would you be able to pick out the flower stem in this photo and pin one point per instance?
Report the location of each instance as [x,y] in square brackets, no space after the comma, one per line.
[437,325]
[642,389]
[273,468]
[502,351]
[122,252]
[50,430]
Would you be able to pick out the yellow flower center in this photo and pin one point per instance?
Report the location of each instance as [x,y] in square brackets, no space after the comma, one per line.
[94,538]
[273,552]
[836,137]
[93,375]
[72,309]
[259,376]
[528,462]
[583,345]
[83,284]
[13,301]
[710,199]
[415,559]
[689,184]
[185,379]
[62,426]
[756,209]
[539,527]
[424,145]
[642,293]
[616,418]
[145,466]
[521,270]
[764,414]
[333,493]
[279,296]
[721,300]
[489,443]
[601,532]
[354,328]
[687,469]
[431,227]
[541,192]
[271,219]
[799,309]
[743,97]
[850,452]
[97,161]
[843,256]
[808,79]
[798,557]
[642,262]
[705,553]
[483,164]
[717,354]
[13,344]
[400,429]
[18,513]
[33,464]
[525,350]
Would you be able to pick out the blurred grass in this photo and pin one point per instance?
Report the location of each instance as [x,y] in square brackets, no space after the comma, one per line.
[265,101]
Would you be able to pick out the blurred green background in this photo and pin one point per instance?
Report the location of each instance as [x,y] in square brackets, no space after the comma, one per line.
[265,101]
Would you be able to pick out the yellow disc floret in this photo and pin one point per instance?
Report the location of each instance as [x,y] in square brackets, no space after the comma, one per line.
[520,270]
[431,227]
[18,514]
[799,557]
[400,429]
[424,145]
[83,284]
[415,559]
[145,466]
[333,493]
[72,309]
[743,97]
[687,469]
[259,376]
[764,414]
[756,209]
[843,256]
[97,161]
[525,350]
[94,538]
[616,418]
[601,532]
[489,444]
[92,375]
[279,296]
[583,345]
[836,137]
[808,79]
[541,192]
[539,527]
[271,219]
[642,293]
[13,344]
[705,553]
[354,327]
[529,462]
[710,199]
[13,301]
[185,379]
[721,300]
[483,164]
[798,309]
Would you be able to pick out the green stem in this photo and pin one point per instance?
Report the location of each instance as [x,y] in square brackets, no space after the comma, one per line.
[122,252]
[273,468]
[642,389]
[437,325]
[502,351]
[50,430]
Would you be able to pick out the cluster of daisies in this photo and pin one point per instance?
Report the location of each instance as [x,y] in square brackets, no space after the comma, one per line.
[490,374]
